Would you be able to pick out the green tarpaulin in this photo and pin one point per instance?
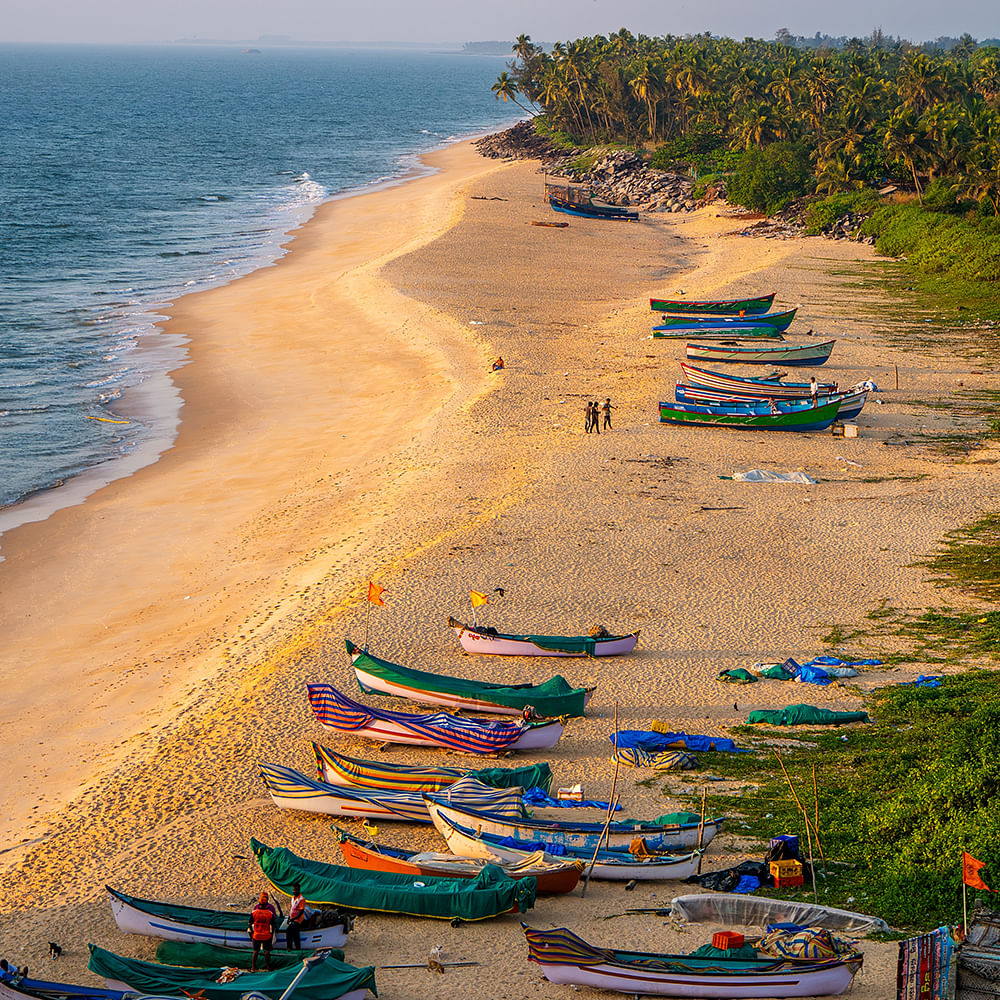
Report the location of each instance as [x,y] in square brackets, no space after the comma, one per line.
[776,672]
[551,698]
[194,954]
[806,715]
[328,980]
[529,776]
[737,676]
[490,893]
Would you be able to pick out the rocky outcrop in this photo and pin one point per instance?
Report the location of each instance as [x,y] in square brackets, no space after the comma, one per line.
[617,177]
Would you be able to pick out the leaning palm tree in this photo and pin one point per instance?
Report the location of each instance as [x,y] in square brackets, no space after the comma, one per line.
[904,141]
[506,89]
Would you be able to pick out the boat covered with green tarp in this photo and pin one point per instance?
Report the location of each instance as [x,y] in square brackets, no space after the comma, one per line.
[193,954]
[805,715]
[328,979]
[489,894]
[551,698]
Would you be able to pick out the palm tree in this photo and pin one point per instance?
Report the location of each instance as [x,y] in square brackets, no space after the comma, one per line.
[838,173]
[646,81]
[505,88]
[904,141]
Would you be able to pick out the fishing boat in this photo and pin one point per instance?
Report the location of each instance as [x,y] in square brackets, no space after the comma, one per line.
[766,354]
[553,876]
[619,865]
[19,987]
[193,955]
[489,894]
[588,210]
[772,383]
[324,979]
[851,403]
[744,330]
[779,321]
[291,790]
[222,927]
[718,307]
[568,959]
[552,698]
[681,831]
[482,639]
[339,769]
[336,711]
[811,418]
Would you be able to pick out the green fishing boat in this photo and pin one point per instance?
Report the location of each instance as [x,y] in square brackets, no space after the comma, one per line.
[778,321]
[328,979]
[813,418]
[489,894]
[551,698]
[196,955]
[719,307]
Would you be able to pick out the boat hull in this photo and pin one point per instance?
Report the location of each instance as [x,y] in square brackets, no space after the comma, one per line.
[736,384]
[464,842]
[810,419]
[851,404]
[720,307]
[804,355]
[133,920]
[576,837]
[778,322]
[474,640]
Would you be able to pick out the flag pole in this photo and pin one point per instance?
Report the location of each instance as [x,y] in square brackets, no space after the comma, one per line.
[965,903]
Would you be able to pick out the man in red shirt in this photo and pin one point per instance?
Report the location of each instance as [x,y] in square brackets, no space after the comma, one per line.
[261,927]
[296,917]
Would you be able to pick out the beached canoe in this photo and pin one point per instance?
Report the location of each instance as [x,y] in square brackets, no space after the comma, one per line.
[812,418]
[619,865]
[851,403]
[551,698]
[489,894]
[222,927]
[568,959]
[193,955]
[670,831]
[772,383]
[482,639]
[717,307]
[553,876]
[291,790]
[334,710]
[763,354]
[339,769]
[592,211]
[779,321]
[17,987]
[326,979]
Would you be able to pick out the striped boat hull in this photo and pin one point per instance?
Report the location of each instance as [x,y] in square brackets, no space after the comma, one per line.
[782,354]
[738,384]
[334,710]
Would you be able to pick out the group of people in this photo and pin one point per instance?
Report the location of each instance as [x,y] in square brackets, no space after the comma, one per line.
[263,926]
[592,418]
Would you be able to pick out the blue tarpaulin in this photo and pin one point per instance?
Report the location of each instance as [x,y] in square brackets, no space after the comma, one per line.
[933,681]
[639,739]
[538,797]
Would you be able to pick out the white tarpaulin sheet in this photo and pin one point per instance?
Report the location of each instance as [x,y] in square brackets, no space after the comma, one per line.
[737,910]
[766,476]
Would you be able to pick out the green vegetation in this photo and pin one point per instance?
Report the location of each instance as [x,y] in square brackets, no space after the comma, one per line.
[823,213]
[899,800]
[769,177]
[970,558]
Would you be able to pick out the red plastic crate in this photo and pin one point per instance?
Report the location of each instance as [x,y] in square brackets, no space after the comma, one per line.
[789,883]
[727,939]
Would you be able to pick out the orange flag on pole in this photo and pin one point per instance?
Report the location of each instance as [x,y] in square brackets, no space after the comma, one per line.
[970,872]
[477,598]
[375,593]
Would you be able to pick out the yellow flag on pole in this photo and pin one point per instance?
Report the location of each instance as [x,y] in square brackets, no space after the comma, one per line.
[478,599]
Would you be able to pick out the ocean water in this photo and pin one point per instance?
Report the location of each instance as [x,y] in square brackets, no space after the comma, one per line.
[132,175]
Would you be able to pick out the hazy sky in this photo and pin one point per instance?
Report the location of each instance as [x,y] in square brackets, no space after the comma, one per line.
[479,20]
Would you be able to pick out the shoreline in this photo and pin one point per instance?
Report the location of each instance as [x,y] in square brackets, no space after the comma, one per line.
[495,486]
[156,400]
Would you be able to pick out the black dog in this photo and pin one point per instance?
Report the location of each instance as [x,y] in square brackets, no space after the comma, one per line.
[54,950]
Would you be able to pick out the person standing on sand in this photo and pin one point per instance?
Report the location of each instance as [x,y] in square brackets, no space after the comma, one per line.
[606,410]
[588,417]
[813,389]
[262,925]
[296,917]
[595,416]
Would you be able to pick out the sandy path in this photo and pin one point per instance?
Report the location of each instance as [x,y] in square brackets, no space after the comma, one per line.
[507,491]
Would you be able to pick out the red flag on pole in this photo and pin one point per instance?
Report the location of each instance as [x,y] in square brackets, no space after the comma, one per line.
[970,872]
[375,593]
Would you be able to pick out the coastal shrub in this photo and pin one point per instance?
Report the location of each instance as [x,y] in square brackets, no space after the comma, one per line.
[825,212]
[769,177]
[696,142]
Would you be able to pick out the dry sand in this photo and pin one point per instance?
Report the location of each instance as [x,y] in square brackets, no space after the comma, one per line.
[340,424]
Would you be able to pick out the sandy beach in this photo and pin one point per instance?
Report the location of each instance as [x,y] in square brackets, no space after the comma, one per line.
[340,424]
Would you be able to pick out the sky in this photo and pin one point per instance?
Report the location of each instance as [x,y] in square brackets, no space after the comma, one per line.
[458,21]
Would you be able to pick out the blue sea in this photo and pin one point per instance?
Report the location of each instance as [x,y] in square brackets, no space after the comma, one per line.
[132,175]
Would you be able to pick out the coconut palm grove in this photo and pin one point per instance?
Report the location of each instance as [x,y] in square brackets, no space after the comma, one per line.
[781,120]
